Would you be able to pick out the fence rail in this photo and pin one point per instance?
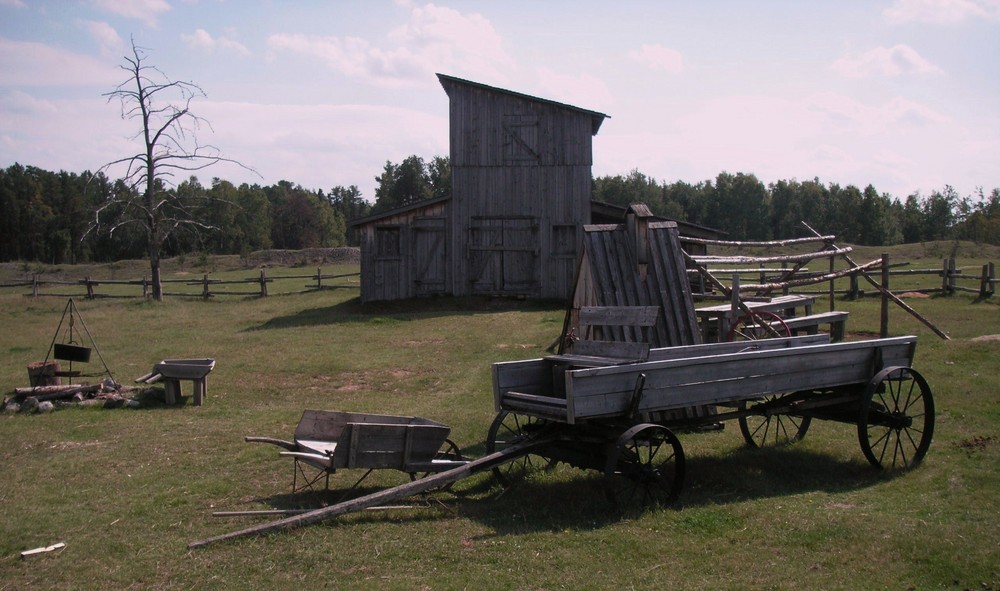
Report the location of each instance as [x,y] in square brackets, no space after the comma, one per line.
[209,287]
[950,279]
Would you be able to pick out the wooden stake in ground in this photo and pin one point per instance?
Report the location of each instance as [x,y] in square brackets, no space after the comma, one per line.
[888,294]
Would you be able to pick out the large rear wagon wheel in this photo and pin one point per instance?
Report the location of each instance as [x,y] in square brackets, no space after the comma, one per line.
[510,429]
[769,430]
[896,422]
[644,467]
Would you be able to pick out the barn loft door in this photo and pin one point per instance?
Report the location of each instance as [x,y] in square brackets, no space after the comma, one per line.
[520,139]
[430,256]
[503,255]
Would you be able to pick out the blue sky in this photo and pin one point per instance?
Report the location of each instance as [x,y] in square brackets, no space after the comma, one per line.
[900,94]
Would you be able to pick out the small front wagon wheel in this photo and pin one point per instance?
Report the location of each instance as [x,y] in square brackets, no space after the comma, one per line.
[510,429]
[645,467]
[766,430]
[896,422]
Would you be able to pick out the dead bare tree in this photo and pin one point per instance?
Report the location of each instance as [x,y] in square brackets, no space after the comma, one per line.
[161,108]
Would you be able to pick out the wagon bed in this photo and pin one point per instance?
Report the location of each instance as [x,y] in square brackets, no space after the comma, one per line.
[681,377]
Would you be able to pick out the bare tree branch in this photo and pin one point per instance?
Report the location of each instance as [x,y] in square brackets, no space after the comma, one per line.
[167,132]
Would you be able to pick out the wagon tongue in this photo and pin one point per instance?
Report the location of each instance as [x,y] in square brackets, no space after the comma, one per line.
[402,491]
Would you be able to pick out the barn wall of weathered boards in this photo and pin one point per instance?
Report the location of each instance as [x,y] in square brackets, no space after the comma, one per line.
[521,194]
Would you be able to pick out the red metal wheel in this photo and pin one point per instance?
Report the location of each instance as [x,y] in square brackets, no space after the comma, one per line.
[756,325]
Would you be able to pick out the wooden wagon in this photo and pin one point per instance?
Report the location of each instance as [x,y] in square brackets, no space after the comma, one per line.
[327,441]
[621,417]
[611,402]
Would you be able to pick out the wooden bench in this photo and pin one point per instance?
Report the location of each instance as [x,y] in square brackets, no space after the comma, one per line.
[837,320]
[610,335]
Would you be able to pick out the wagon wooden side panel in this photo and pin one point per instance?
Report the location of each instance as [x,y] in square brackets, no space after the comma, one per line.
[715,379]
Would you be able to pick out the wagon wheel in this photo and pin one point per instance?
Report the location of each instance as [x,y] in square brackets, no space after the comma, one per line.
[763,430]
[510,429]
[449,451]
[644,467]
[756,325]
[896,423]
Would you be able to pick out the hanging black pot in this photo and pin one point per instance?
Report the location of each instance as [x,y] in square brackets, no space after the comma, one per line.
[67,352]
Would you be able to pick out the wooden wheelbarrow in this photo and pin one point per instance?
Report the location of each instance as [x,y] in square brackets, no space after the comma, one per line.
[327,441]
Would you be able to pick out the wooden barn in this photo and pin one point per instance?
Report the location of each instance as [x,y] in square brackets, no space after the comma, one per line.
[521,194]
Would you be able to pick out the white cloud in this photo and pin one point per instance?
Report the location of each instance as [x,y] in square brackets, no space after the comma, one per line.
[320,146]
[26,63]
[584,91]
[13,3]
[202,39]
[435,39]
[658,57]
[107,38]
[899,145]
[942,11]
[466,45]
[898,60]
[144,10]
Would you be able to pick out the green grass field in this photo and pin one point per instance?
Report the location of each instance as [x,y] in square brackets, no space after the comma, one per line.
[128,489]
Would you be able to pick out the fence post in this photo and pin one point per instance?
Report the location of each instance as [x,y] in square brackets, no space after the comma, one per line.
[204,289]
[90,287]
[833,292]
[145,288]
[952,273]
[852,293]
[263,283]
[884,315]
[986,281]
[319,278]
[34,285]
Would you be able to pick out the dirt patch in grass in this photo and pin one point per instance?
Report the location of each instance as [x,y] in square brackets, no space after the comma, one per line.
[978,443]
[986,338]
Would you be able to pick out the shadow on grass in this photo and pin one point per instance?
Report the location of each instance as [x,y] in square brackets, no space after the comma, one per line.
[569,499]
[401,311]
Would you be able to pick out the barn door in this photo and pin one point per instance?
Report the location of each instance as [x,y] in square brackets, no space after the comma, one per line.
[503,256]
[430,256]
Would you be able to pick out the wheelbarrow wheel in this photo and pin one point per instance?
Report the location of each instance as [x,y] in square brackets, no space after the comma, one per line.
[896,422]
[510,429]
[767,430]
[449,452]
[644,467]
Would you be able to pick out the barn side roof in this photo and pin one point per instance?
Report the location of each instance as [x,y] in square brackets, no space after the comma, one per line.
[397,211]
[596,118]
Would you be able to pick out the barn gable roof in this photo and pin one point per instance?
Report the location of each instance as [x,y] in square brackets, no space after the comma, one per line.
[450,82]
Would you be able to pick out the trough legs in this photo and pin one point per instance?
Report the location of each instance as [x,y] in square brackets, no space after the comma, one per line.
[172,390]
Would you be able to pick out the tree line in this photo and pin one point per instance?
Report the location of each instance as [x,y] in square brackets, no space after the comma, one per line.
[747,209]
[49,217]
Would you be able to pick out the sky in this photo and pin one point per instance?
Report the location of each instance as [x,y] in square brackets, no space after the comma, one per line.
[903,95]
